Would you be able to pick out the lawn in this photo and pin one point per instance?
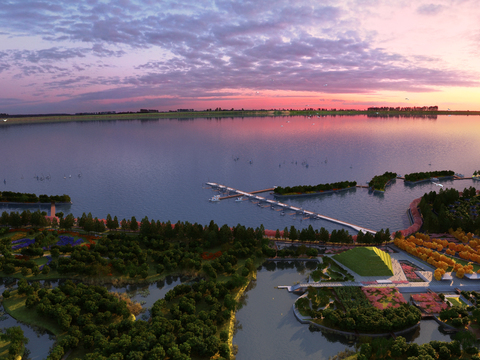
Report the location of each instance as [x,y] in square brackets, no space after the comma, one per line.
[4,345]
[366,261]
[15,306]
[455,301]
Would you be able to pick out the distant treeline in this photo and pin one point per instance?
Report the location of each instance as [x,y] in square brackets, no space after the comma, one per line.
[303,189]
[427,175]
[10,196]
[398,108]
[379,181]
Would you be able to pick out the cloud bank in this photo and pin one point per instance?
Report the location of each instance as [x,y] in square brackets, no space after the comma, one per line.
[86,55]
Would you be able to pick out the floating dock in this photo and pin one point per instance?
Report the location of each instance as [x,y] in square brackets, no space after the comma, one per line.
[252,196]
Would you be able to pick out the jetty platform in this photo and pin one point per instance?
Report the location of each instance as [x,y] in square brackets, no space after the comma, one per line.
[252,196]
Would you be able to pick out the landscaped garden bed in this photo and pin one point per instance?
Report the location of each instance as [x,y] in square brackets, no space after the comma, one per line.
[329,270]
[351,297]
[384,297]
[429,303]
[409,271]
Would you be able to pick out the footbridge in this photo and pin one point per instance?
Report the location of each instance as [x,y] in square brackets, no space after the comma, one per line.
[252,196]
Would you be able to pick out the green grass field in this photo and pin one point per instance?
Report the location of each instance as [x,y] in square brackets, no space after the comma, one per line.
[366,261]
[15,306]
[4,346]
[456,301]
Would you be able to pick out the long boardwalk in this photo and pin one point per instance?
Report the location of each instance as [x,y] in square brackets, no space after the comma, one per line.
[274,203]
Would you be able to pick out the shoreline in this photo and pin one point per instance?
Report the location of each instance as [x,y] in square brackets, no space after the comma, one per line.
[33,119]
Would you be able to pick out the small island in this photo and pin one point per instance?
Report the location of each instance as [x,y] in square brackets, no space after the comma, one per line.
[303,190]
[16,197]
[425,176]
[380,182]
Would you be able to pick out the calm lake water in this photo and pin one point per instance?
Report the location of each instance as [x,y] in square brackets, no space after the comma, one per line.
[158,168]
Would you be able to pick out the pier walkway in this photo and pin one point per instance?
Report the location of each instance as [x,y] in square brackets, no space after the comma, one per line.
[279,204]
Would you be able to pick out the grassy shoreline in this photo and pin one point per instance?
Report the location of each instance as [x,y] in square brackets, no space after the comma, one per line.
[217,114]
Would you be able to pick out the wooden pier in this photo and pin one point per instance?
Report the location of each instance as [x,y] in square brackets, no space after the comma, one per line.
[252,196]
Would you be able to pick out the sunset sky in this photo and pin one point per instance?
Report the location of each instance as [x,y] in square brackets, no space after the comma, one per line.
[72,56]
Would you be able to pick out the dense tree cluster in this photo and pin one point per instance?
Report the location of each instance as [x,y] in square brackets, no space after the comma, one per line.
[186,323]
[157,247]
[303,189]
[10,196]
[25,218]
[86,313]
[448,209]
[427,175]
[379,237]
[379,182]
[368,319]
[88,223]
[17,340]
[457,315]
[382,348]
[403,109]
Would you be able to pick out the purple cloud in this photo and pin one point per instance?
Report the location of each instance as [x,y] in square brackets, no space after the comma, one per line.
[430,9]
[198,50]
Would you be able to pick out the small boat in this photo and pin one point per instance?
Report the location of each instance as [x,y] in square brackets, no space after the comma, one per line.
[282,213]
[215,198]
[239,199]
[437,184]
[434,179]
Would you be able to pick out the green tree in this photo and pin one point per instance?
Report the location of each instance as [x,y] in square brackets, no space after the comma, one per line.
[124,224]
[133,224]
[17,339]
[68,222]
[293,233]
[46,270]
[399,347]
[110,225]
[115,223]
